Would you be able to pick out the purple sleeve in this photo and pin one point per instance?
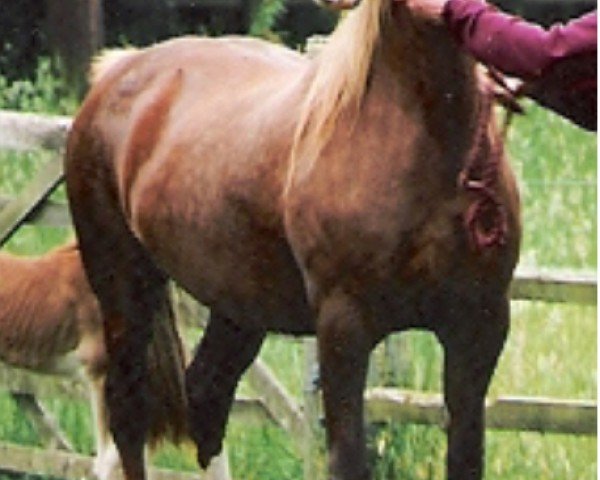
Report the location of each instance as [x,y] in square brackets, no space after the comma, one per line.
[514,46]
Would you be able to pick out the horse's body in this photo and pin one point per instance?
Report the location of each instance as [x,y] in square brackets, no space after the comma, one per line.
[349,196]
[50,322]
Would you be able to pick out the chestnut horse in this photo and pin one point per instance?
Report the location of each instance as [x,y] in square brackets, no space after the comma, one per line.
[50,322]
[350,196]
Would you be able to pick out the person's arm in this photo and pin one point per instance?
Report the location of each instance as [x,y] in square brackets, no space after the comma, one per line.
[512,45]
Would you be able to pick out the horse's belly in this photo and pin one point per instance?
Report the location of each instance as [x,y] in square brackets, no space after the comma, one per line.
[228,262]
[263,290]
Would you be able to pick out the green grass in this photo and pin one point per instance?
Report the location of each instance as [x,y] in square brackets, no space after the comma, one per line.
[44,93]
[551,350]
[555,164]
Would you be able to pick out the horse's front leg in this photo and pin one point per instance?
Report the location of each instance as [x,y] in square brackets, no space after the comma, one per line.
[344,347]
[471,352]
[225,352]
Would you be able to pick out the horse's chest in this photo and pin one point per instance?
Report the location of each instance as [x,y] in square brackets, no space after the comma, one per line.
[373,238]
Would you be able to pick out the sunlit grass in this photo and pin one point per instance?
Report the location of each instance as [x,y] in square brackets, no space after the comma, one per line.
[551,351]
[555,164]
[12,425]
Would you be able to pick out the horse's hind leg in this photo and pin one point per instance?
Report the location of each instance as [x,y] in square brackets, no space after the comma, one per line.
[132,294]
[471,353]
[107,457]
[226,350]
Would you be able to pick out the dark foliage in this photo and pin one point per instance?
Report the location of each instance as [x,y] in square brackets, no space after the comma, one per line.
[22,37]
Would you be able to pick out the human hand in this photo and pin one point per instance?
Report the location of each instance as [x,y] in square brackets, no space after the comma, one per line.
[431,10]
[338,5]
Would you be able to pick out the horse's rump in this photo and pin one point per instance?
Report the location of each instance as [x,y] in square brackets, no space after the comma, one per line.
[208,124]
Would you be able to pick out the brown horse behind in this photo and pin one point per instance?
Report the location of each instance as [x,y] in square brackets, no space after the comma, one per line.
[50,322]
[353,195]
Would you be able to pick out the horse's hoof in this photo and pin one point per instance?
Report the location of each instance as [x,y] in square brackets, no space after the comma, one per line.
[207,432]
[106,463]
[206,453]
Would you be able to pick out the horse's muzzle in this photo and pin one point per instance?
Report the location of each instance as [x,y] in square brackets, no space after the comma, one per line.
[338,5]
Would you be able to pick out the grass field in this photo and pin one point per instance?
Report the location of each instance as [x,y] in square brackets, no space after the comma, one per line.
[551,350]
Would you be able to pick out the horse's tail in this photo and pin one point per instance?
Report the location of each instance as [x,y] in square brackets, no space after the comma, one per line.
[166,364]
[107,60]
[145,394]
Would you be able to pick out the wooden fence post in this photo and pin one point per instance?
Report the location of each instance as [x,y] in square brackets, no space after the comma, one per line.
[46,425]
[14,214]
[312,413]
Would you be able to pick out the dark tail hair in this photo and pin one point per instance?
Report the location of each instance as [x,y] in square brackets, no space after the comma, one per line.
[166,365]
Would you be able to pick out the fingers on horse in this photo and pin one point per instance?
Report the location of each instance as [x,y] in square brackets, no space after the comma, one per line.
[338,5]
[225,352]
[471,353]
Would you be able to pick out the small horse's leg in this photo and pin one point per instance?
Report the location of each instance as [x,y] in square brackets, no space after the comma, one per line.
[99,413]
[226,350]
[344,347]
[471,353]
[107,457]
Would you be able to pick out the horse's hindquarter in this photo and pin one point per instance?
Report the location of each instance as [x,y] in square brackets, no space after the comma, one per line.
[201,156]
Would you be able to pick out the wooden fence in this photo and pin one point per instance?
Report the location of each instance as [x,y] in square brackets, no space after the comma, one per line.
[27,132]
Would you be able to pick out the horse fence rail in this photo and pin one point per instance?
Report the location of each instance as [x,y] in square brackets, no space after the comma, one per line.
[67,465]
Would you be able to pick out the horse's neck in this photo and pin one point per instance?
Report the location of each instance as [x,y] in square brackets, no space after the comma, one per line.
[423,68]
[425,51]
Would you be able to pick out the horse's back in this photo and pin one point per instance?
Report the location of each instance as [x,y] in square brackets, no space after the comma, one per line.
[191,93]
[209,62]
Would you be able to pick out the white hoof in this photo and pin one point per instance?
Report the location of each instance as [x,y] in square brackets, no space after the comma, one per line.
[106,463]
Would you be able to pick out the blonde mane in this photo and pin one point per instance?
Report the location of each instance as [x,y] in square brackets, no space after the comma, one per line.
[340,79]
